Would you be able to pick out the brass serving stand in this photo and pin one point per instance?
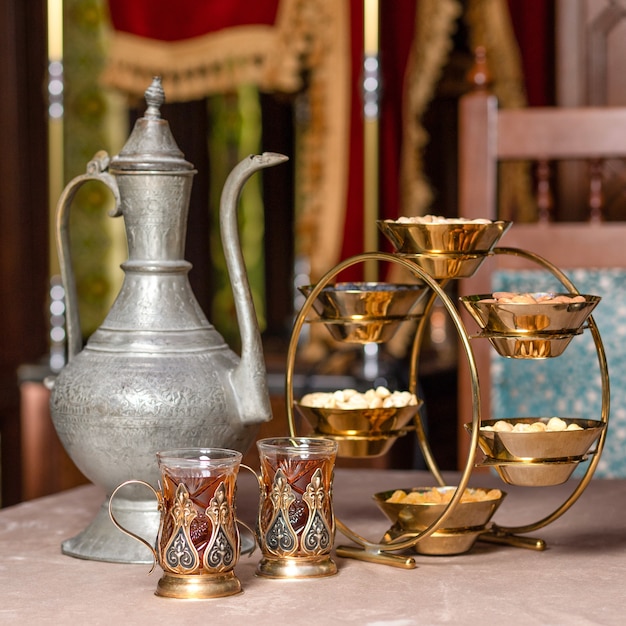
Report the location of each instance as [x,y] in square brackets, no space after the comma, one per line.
[393,551]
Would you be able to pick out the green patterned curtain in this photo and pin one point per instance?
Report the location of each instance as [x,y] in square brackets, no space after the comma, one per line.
[235,132]
[90,116]
[95,119]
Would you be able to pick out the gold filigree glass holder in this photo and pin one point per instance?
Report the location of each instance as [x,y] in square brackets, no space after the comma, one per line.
[198,542]
[296,524]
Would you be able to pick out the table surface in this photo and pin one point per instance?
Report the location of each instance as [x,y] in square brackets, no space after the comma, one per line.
[576,580]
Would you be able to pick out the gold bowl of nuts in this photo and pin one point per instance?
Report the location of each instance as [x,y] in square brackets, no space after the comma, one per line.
[363,423]
[444,247]
[533,438]
[537,451]
[537,313]
[431,234]
[413,510]
[537,325]
[367,312]
[354,422]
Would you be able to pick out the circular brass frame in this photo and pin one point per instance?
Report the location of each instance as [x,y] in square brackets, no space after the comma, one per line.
[385,553]
[375,551]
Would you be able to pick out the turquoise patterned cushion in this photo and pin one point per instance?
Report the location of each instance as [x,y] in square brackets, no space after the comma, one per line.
[570,385]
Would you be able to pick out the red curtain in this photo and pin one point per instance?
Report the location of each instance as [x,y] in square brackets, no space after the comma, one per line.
[155,19]
[534,26]
[533,22]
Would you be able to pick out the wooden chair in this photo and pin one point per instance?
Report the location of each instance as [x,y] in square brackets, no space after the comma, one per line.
[489,136]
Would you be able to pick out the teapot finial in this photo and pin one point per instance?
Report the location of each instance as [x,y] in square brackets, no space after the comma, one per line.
[151,145]
[155,97]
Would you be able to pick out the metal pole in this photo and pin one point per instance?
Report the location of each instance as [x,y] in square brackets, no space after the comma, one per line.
[371,114]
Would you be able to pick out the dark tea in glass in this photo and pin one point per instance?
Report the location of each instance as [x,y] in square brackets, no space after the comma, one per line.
[296,524]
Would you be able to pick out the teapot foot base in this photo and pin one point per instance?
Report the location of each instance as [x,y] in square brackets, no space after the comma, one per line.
[102,541]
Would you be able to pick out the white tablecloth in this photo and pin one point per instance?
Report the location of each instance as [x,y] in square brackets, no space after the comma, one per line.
[578,580]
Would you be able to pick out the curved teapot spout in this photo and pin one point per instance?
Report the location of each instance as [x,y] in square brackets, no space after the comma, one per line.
[249,377]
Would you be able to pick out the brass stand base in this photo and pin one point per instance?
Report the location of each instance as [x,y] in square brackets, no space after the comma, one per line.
[495,535]
[190,587]
[374,555]
[296,567]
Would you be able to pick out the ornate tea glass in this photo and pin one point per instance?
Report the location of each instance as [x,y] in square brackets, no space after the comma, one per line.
[198,543]
[296,525]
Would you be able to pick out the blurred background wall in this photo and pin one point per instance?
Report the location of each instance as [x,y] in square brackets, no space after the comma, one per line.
[73,74]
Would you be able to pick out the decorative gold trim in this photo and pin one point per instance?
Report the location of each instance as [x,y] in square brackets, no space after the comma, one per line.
[491,27]
[317,537]
[432,43]
[221,553]
[180,555]
[219,62]
[193,68]
[280,538]
[435,23]
[323,136]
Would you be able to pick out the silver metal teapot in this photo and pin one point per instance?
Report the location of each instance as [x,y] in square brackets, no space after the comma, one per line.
[156,374]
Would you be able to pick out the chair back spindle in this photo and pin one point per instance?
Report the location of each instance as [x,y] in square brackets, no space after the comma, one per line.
[596,192]
[545,198]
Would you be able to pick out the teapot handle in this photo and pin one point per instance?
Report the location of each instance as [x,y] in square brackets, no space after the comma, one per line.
[96,170]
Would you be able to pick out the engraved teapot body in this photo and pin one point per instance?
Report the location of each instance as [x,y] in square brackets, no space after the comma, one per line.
[156,374]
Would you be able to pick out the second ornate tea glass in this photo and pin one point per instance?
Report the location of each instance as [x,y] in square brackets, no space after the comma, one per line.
[296,525]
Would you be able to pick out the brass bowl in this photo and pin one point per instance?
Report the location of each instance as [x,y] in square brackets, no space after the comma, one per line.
[528,347]
[545,318]
[365,446]
[358,422]
[367,301]
[465,523]
[443,237]
[348,330]
[367,312]
[448,265]
[534,474]
[561,445]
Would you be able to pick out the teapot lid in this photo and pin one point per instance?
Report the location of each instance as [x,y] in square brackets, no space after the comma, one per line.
[151,145]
